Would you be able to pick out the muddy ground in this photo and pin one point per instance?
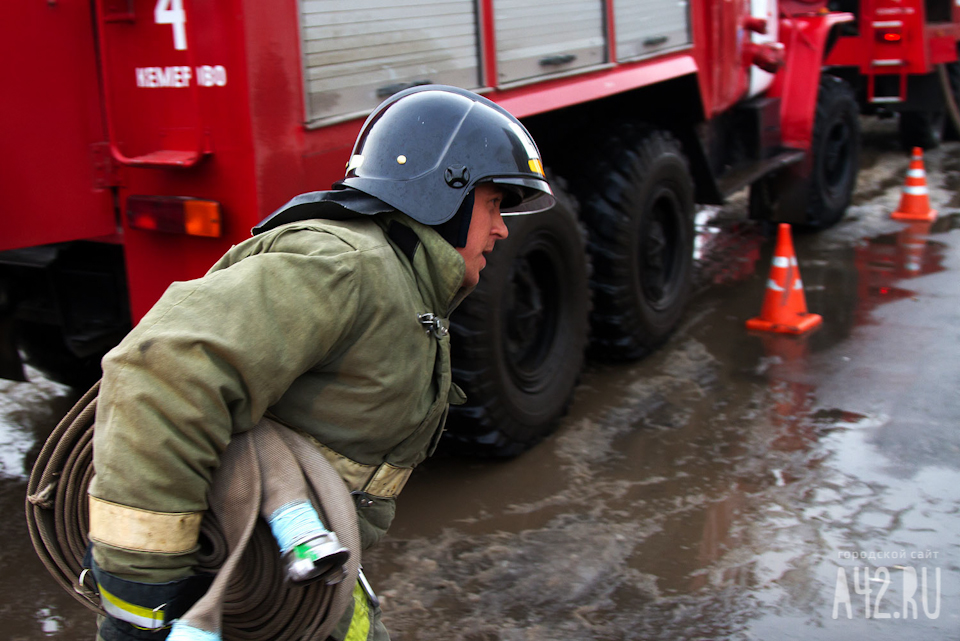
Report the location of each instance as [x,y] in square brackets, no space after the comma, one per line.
[729,486]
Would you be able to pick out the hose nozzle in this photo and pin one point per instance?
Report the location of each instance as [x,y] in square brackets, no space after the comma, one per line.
[309,551]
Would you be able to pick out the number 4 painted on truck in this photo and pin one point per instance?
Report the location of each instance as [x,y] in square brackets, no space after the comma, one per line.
[171,12]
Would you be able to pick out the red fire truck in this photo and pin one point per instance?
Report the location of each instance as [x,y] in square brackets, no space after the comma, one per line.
[147,136]
[901,56]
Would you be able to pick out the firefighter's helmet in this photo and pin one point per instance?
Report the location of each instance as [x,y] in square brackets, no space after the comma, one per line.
[424,150]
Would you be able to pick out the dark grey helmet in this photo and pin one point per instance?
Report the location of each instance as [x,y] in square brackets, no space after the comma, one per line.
[424,150]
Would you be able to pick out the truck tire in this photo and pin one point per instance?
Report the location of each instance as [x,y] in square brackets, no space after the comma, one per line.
[922,129]
[836,148]
[519,340]
[639,214]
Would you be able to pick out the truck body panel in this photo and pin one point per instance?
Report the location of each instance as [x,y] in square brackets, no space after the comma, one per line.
[244,104]
[56,171]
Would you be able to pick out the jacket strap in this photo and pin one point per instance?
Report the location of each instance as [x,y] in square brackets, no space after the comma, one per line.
[384,481]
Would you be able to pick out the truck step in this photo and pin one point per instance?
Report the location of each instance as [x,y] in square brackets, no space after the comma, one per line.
[738,178]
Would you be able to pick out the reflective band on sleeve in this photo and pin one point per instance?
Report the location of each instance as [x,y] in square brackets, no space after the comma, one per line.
[915,191]
[360,622]
[133,614]
[772,285]
[916,173]
[131,528]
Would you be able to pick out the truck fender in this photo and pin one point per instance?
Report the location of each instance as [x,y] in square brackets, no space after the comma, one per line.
[805,40]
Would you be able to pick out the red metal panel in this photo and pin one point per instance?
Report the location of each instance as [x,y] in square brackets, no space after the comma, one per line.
[701,31]
[547,96]
[261,153]
[155,108]
[488,43]
[152,77]
[611,31]
[51,121]
[728,72]
[798,82]
[943,43]
[912,48]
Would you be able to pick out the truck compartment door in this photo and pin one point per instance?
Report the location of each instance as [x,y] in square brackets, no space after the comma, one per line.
[540,38]
[358,53]
[647,27]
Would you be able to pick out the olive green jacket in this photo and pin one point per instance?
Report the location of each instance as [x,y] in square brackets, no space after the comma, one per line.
[316,322]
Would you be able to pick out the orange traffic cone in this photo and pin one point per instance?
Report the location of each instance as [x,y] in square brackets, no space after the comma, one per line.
[784,306]
[915,201]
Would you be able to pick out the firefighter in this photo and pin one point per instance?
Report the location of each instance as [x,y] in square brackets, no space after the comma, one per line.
[331,319]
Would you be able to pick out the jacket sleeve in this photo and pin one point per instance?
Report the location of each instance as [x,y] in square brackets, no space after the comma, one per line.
[205,363]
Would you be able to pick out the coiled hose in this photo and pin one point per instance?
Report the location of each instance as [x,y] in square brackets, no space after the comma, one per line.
[250,592]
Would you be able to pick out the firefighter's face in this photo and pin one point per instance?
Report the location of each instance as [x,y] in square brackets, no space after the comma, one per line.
[486,228]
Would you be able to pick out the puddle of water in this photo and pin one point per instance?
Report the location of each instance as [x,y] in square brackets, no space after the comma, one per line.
[32,604]
[28,412]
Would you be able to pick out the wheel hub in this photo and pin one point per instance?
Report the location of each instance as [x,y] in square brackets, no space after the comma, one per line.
[530,319]
[836,155]
[658,240]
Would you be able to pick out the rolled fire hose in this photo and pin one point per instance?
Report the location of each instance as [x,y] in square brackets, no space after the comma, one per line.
[249,593]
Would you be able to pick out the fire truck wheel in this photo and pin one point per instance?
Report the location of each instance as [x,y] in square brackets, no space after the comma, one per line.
[639,213]
[921,129]
[836,145]
[519,339]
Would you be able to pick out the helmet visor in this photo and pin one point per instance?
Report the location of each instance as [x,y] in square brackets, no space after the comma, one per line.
[524,195]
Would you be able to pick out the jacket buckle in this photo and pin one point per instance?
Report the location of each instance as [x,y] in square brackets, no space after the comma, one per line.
[433,324]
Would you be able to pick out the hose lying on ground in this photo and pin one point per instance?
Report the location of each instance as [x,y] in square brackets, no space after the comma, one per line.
[255,601]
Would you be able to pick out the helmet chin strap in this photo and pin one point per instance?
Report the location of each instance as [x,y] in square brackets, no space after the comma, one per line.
[455,230]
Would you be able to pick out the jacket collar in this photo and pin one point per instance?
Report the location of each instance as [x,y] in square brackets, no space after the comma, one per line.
[439,268]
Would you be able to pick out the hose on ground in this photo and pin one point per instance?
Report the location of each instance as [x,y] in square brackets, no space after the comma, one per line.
[251,593]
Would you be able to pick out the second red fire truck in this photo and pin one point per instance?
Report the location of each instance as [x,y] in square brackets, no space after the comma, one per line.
[900,56]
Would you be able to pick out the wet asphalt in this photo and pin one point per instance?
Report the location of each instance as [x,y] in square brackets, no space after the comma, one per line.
[730,486]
